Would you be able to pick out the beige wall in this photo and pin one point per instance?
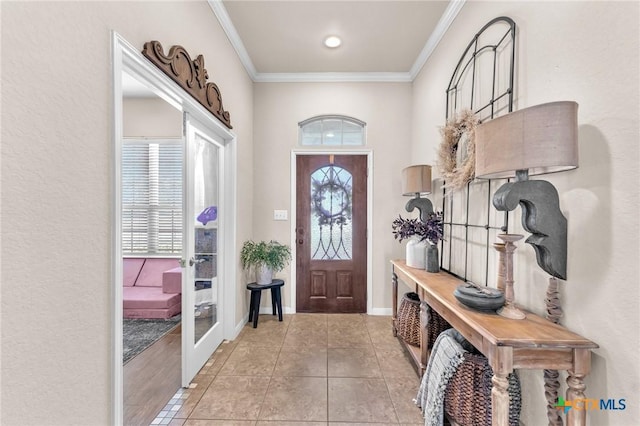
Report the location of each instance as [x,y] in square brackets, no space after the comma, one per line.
[150,117]
[56,191]
[587,52]
[386,110]
[57,160]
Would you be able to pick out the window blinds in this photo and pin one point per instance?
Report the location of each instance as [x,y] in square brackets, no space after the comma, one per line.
[152,197]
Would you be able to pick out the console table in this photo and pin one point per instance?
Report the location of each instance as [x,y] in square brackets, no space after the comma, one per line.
[531,343]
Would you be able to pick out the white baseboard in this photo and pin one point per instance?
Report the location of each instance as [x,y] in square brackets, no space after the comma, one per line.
[266,310]
[381,311]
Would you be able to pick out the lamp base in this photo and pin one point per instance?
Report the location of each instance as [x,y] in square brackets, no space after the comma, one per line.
[511,311]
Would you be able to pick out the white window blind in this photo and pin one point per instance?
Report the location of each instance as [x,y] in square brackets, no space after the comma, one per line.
[152,197]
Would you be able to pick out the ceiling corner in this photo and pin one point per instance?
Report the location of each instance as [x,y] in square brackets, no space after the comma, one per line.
[445,21]
[225,21]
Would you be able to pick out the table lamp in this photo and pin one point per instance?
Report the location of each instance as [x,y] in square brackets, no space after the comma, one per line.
[416,181]
[532,141]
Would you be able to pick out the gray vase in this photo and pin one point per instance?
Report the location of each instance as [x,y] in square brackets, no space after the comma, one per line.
[264,275]
[433,260]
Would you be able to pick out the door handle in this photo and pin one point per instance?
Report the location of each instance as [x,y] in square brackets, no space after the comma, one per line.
[300,241]
[193,261]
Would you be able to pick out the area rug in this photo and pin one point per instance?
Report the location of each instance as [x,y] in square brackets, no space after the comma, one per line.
[139,334]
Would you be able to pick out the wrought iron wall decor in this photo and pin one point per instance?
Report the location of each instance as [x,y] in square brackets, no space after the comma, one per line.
[190,74]
[482,82]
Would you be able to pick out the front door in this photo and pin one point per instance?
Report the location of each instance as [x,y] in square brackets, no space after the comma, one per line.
[331,233]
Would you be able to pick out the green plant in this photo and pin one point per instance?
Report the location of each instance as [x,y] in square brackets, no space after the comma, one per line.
[271,254]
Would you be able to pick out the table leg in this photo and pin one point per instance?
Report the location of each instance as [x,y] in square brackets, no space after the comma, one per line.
[279,303]
[576,387]
[252,305]
[256,309]
[273,300]
[394,306]
[424,335]
[502,364]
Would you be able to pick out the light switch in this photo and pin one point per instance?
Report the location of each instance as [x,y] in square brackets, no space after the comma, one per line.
[280,215]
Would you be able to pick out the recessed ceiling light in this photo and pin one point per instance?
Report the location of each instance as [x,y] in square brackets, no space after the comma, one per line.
[332,42]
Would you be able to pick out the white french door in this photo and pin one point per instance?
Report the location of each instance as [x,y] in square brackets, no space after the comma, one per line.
[203,264]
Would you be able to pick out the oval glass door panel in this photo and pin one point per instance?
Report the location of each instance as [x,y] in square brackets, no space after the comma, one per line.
[205,259]
[331,229]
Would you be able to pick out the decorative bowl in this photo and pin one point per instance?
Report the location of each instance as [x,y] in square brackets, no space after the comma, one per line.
[479,298]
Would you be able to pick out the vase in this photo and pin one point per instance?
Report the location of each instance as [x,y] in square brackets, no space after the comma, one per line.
[264,275]
[433,260]
[416,252]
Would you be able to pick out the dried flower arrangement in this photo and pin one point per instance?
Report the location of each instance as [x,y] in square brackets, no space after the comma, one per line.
[431,230]
[456,176]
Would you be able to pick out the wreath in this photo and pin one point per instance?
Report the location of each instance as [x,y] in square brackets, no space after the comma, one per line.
[457,176]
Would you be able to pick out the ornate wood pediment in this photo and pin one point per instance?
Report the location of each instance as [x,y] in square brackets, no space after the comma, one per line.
[190,75]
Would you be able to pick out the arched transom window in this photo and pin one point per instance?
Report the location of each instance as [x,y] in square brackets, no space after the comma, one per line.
[332,130]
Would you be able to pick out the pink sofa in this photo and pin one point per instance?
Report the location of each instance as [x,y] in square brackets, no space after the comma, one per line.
[151,288]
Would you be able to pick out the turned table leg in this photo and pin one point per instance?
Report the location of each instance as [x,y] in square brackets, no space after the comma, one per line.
[576,386]
[502,364]
[424,336]
[394,307]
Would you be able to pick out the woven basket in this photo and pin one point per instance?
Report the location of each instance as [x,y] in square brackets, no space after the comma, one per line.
[467,399]
[409,321]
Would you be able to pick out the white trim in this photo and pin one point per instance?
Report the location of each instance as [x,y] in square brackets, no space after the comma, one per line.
[293,245]
[117,385]
[439,31]
[333,77]
[232,34]
[381,311]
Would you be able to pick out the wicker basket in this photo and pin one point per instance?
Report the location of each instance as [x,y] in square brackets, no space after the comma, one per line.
[409,319]
[467,399]
[408,327]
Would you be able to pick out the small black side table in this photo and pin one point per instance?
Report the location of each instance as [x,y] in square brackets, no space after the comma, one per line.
[276,299]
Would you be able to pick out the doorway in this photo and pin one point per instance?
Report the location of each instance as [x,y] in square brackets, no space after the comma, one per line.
[331,233]
[207,272]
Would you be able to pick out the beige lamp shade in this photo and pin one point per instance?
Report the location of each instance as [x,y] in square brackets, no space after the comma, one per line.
[541,139]
[416,180]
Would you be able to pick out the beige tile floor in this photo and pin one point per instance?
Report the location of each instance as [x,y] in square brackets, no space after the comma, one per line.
[310,369]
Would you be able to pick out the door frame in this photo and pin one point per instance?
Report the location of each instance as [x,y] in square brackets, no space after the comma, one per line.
[294,198]
[126,58]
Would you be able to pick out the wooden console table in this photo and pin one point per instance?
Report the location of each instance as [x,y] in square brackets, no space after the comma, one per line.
[531,343]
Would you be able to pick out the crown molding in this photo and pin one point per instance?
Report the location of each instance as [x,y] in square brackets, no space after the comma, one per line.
[333,77]
[225,21]
[442,26]
[440,30]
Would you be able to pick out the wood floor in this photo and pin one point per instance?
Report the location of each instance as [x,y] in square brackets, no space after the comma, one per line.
[151,379]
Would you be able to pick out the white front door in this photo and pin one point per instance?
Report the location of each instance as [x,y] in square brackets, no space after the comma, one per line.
[203,265]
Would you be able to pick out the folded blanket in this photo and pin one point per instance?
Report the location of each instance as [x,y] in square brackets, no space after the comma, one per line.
[447,354]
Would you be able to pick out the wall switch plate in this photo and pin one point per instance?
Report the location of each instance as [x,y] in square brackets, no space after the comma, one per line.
[280,215]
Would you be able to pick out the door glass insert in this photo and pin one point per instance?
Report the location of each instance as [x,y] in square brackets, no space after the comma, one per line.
[331,219]
[206,200]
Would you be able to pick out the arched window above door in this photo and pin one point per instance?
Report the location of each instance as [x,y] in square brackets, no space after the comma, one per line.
[332,130]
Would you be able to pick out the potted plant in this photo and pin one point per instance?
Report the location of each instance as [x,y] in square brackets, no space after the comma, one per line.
[420,233]
[265,257]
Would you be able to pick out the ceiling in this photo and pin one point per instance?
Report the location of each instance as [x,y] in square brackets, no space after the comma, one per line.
[282,41]
[382,40]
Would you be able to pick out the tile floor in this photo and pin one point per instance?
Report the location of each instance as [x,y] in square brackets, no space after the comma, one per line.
[310,369]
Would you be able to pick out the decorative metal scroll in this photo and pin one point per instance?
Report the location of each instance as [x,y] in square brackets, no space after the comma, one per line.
[331,213]
[482,82]
[190,74]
